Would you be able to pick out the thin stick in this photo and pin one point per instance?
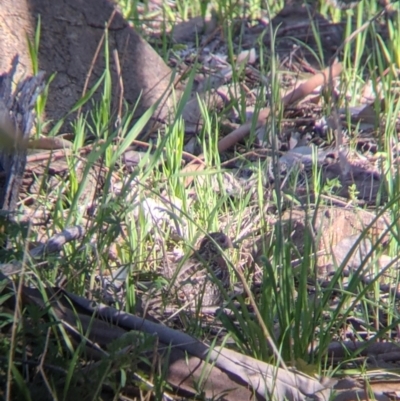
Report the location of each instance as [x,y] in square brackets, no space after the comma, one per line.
[121,87]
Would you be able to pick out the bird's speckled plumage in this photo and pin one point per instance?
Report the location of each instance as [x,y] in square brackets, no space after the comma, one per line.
[193,280]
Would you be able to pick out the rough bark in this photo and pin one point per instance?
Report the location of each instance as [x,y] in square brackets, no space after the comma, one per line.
[71,31]
[16,119]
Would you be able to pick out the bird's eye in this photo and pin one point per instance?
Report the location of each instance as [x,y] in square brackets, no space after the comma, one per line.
[224,242]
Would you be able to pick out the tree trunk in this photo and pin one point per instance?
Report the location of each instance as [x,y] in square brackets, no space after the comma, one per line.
[71,31]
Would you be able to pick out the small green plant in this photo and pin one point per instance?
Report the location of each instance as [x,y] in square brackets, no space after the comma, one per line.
[42,98]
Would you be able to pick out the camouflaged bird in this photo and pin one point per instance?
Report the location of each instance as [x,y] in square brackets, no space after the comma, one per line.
[192,281]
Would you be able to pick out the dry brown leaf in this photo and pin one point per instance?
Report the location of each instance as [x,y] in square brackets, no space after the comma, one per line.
[347,223]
